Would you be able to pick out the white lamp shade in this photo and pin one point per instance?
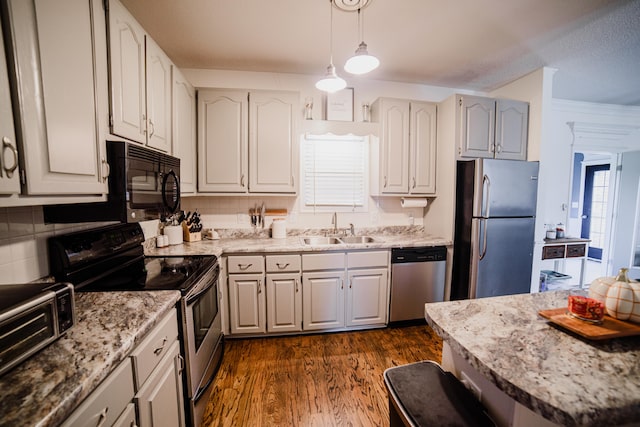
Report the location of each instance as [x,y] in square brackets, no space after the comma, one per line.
[331,82]
[361,62]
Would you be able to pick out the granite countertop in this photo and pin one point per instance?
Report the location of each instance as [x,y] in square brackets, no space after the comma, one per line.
[46,388]
[558,375]
[242,243]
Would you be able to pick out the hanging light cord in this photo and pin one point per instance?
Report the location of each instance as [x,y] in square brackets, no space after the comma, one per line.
[331,32]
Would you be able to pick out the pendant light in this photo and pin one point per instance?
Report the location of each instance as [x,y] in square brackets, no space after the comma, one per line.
[361,62]
[331,82]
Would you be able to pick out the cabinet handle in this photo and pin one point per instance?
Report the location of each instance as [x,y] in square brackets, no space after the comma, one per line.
[414,182]
[293,181]
[341,283]
[498,148]
[385,181]
[493,148]
[296,285]
[244,266]
[7,144]
[160,349]
[103,416]
[106,170]
[152,128]
[182,365]
[242,181]
[282,267]
[259,286]
[144,120]
[350,283]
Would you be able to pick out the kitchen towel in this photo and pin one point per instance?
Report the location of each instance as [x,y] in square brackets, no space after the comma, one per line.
[413,202]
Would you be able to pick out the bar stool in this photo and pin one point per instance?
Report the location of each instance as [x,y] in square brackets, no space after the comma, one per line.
[423,394]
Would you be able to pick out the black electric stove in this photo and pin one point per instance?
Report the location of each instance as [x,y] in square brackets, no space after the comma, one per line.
[112,259]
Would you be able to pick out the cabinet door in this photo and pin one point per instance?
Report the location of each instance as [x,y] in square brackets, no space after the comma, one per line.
[247,304]
[512,127]
[184,130]
[160,401]
[60,140]
[323,300]
[284,302]
[9,173]
[394,156]
[222,141]
[272,143]
[367,297]
[127,74]
[477,120]
[422,157]
[158,81]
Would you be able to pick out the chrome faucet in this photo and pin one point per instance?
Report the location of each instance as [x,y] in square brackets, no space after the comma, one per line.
[352,229]
[334,222]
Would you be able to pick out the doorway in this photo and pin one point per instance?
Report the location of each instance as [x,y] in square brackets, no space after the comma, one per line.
[594,208]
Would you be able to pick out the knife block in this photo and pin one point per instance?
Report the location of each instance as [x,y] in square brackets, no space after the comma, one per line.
[189,236]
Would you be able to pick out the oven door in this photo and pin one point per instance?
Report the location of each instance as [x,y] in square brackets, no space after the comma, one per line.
[203,332]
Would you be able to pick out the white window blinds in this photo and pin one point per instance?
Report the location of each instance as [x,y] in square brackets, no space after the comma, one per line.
[334,171]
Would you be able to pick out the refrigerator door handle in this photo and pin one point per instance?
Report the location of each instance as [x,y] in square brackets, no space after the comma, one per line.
[482,242]
[486,187]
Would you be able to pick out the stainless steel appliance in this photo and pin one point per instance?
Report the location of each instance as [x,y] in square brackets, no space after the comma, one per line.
[111,259]
[32,316]
[143,184]
[494,227]
[417,277]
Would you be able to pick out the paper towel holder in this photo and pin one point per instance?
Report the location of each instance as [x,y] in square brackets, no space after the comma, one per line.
[413,202]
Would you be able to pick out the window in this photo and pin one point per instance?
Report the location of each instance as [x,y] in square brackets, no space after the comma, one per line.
[334,172]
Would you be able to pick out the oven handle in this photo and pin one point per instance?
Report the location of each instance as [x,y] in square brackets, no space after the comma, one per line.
[192,298]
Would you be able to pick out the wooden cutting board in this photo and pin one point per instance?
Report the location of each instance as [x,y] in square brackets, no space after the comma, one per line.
[609,328]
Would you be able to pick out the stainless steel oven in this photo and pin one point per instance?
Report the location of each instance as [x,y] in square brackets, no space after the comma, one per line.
[143,184]
[111,259]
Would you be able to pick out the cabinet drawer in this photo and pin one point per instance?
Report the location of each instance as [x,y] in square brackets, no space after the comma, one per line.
[550,252]
[283,263]
[107,402]
[151,350]
[245,264]
[327,261]
[367,259]
[576,250]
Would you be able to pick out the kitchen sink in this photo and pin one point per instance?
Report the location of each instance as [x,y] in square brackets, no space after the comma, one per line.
[321,240]
[356,239]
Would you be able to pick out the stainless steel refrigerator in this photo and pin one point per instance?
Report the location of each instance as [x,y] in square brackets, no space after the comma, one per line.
[494,227]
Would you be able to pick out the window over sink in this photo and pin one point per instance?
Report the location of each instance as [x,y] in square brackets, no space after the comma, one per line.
[334,173]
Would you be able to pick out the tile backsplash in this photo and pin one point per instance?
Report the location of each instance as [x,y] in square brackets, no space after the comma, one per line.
[23,243]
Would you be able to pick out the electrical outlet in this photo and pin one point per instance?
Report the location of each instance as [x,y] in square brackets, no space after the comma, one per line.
[471,386]
[411,219]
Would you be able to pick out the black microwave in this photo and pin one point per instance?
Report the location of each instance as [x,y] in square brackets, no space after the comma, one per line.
[143,184]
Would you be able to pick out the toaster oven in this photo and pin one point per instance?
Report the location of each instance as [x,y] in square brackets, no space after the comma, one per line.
[31,317]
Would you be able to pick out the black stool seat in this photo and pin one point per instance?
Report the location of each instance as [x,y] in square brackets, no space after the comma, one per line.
[423,394]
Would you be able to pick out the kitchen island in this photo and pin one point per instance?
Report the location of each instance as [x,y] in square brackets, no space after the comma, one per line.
[532,373]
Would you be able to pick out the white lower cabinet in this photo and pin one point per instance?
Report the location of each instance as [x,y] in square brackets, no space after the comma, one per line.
[149,380]
[246,294]
[323,299]
[367,297]
[284,293]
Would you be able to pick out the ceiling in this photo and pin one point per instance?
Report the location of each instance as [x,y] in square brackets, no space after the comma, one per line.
[464,44]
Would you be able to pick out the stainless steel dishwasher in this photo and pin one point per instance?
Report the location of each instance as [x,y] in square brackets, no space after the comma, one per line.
[417,277]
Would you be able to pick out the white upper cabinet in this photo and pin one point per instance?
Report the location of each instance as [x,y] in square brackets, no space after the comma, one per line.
[184,130]
[493,128]
[246,141]
[9,173]
[58,94]
[404,163]
[140,74]
[222,141]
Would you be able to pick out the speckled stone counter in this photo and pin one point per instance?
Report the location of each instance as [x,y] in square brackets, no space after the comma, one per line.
[45,389]
[263,244]
[565,379]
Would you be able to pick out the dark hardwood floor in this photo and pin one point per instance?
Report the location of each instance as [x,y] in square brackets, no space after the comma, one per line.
[332,379]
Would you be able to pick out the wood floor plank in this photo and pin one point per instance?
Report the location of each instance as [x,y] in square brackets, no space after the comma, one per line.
[332,379]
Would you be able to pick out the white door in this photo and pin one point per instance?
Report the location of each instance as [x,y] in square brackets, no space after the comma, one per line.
[422,154]
[272,142]
[158,80]
[247,303]
[184,130]
[477,120]
[512,127]
[367,297]
[395,146]
[127,74]
[284,302]
[9,173]
[222,141]
[323,300]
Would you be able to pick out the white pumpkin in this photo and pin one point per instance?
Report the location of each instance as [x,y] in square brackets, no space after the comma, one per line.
[623,298]
[600,286]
